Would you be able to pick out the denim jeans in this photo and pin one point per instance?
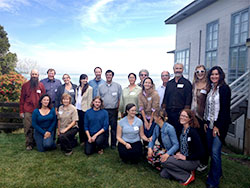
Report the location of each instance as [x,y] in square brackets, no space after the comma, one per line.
[44,144]
[214,148]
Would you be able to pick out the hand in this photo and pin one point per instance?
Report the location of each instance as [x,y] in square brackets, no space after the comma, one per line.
[164,157]
[150,152]
[150,139]
[216,131]
[205,127]
[93,138]
[47,134]
[128,146]
[90,140]
[21,115]
[58,132]
[179,156]
[63,131]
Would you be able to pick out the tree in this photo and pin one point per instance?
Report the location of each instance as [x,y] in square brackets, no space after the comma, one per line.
[8,60]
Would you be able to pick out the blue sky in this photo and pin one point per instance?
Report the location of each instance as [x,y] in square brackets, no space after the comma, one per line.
[75,36]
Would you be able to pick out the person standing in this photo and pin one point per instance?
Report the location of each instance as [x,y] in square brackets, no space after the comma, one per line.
[142,75]
[161,89]
[200,90]
[51,84]
[110,93]
[30,95]
[84,94]
[178,95]
[218,119]
[97,81]
[67,87]
[130,95]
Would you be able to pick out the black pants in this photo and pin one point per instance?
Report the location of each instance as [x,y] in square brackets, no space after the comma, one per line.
[113,115]
[67,140]
[173,119]
[203,137]
[82,134]
[91,148]
[133,155]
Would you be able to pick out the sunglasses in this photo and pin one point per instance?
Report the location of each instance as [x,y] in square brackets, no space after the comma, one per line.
[200,71]
[143,75]
[165,75]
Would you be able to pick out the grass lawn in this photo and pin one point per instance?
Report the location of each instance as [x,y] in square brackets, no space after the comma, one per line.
[20,168]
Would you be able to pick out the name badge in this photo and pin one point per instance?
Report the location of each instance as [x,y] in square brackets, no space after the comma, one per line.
[71,91]
[60,112]
[203,91]
[55,90]
[189,139]
[180,85]
[114,93]
[38,91]
[136,128]
[132,93]
[149,98]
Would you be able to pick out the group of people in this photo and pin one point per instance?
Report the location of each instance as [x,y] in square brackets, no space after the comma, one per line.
[181,124]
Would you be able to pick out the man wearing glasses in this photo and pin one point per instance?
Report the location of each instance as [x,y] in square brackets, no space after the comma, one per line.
[161,89]
[142,75]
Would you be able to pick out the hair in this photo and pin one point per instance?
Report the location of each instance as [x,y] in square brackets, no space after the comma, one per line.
[66,95]
[144,70]
[85,87]
[128,107]
[195,79]
[143,88]
[40,101]
[193,122]
[50,70]
[110,71]
[162,114]
[92,102]
[98,68]
[221,73]
[66,75]
[178,63]
[131,74]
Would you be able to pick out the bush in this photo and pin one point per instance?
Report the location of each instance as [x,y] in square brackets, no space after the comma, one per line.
[10,86]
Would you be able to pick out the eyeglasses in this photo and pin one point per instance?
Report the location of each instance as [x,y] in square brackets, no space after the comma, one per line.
[164,75]
[200,71]
[143,75]
[184,116]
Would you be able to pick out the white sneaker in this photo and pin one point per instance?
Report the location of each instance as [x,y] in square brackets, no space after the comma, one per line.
[201,168]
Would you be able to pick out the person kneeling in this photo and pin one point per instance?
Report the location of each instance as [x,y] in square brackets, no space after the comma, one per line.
[96,122]
[129,134]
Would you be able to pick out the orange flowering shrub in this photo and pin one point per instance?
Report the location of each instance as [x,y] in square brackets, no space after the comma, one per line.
[10,86]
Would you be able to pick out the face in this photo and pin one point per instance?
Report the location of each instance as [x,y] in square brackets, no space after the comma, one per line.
[132,111]
[165,76]
[34,74]
[156,119]
[178,70]
[66,79]
[215,76]
[51,75]
[143,75]
[97,103]
[66,101]
[109,77]
[147,84]
[45,101]
[131,79]
[200,73]
[184,118]
[84,81]
[98,73]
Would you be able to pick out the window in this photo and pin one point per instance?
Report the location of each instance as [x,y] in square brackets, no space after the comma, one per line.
[211,44]
[183,57]
[238,49]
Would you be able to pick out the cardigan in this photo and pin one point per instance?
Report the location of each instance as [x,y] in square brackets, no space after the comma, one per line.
[60,92]
[86,98]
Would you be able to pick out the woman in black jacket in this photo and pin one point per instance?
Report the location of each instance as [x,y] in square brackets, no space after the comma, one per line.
[217,116]
[181,166]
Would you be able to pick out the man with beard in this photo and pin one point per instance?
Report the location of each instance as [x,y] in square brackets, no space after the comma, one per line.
[178,95]
[30,95]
